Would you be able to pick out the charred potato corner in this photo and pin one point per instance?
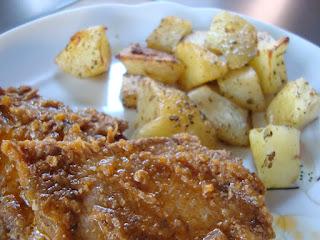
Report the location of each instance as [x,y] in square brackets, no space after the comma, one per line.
[152,63]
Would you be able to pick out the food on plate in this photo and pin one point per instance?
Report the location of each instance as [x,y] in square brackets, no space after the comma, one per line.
[25,115]
[201,65]
[229,120]
[259,119]
[88,53]
[297,104]
[242,87]
[16,217]
[234,38]
[168,34]
[158,65]
[269,62]
[129,90]
[276,153]
[155,188]
[164,111]
[216,234]
[197,38]
[68,174]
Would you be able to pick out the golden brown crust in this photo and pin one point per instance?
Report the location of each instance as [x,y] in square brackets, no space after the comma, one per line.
[15,218]
[25,115]
[156,188]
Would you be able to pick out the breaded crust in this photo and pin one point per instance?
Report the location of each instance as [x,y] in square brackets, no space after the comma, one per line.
[156,188]
[25,115]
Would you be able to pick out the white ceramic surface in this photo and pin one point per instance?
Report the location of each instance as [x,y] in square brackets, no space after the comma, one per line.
[27,57]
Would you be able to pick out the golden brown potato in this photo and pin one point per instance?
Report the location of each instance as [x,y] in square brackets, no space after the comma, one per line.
[296,105]
[229,120]
[242,87]
[233,37]
[168,34]
[129,90]
[87,54]
[269,62]
[276,153]
[201,65]
[164,111]
[158,65]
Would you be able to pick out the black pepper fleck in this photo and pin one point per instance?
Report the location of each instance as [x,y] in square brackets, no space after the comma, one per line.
[174,118]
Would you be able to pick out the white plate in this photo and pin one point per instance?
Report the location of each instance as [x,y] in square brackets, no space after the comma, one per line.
[27,57]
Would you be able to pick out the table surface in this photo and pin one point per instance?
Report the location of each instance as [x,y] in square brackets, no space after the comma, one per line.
[298,16]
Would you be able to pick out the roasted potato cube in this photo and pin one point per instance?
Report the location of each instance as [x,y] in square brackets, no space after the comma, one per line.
[158,65]
[197,38]
[269,62]
[233,37]
[87,54]
[229,120]
[242,87]
[129,90]
[276,151]
[164,111]
[201,65]
[169,33]
[296,105]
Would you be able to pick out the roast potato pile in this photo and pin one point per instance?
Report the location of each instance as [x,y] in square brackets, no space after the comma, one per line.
[210,83]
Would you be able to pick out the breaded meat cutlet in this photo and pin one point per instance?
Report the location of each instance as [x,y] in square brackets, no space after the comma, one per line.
[153,188]
[24,115]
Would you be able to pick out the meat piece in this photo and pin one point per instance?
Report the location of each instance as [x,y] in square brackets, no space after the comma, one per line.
[16,218]
[156,188]
[25,115]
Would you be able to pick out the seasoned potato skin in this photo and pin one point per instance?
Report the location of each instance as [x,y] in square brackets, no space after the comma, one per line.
[233,37]
[231,121]
[129,90]
[202,65]
[242,87]
[269,63]
[276,153]
[296,105]
[164,111]
[88,53]
[155,64]
[169,33]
